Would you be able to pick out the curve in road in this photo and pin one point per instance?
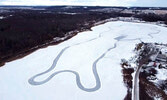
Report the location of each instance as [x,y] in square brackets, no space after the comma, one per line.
[136,79]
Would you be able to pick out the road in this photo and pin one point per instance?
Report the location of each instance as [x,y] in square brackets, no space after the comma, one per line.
[136,84]
[136,95]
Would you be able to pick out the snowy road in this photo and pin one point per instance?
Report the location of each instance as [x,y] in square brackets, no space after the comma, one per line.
[85,67]
[136,78]
[136,84]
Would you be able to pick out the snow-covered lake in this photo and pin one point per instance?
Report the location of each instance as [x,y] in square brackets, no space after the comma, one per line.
[85,67]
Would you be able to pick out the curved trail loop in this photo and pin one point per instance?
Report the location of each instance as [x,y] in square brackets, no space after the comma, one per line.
[94,66]
[79,84]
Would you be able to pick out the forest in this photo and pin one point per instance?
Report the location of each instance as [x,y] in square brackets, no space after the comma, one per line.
[23,29]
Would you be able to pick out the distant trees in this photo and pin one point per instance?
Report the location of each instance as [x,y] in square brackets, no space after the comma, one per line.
[26,29]
[29,28]
[151,17]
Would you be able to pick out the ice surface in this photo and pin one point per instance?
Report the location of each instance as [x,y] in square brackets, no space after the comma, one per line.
[110,42]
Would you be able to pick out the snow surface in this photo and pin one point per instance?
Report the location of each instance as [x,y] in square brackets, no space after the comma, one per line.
[1,17]
[111,41]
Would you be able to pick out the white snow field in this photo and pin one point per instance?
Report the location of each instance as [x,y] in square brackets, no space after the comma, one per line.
[85,67]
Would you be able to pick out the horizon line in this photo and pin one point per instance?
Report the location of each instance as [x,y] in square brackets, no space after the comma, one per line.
[82,6]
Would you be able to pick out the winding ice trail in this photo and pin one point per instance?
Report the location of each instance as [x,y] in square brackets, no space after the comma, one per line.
[91,59]
[94,69]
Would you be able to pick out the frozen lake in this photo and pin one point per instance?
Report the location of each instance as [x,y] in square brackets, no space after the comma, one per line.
[85,67]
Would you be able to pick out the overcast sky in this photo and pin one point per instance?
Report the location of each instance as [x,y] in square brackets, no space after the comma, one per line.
[150,3]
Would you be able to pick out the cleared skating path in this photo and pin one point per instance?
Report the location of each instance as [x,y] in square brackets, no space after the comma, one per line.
[94,69]
[85,67]
[94,66]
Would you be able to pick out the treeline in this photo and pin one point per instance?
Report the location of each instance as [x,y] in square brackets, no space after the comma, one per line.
[26,29]
[23,29]
[151,17]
